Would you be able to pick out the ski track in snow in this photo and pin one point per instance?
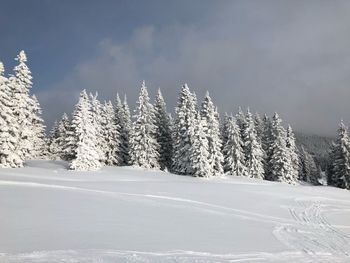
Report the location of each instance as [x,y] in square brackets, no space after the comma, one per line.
[310,236]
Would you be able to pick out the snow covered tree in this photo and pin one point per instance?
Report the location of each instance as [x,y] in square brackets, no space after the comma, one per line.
[54,150]
[309,171]
[37,138]
[259,127]
[293,153]
[9,129]
[266,142]
[330,167]
[254,155]
[183,131]
[111,136]
[97,118]
[163,131]
[144,145]
[280,164]
[20,84]
[199,151]
[211,127]
[224,129]
[87,155]
[123,122]
[341,157]
[64,139]
[233,151]
[241,120]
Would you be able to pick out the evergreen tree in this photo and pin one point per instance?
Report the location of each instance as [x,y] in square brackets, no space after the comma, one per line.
[110,134]
[211,128]
[280,164]
[199,150]
[293,153]
[20,84]
[9,129]
[97,119]
[87,154]
[341,165]
[330,167]
[64,139]
[224,130]
[183,133]
[54,150]
[259,127]
[123,123]
[233,149]
[163,125]
[39,148]
[309,171]
[144,145]
[254,155]
[241,120]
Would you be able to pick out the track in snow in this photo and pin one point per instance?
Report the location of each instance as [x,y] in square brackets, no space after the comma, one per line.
[313,235]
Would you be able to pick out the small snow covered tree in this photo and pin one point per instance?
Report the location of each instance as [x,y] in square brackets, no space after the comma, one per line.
[163,130]
[233,151]
[9,129]
[87,155]
[341,165]
[183,131]
[37,138]
[199,152]
[123,122]
[241,120]
[111,136]
[144,145]
[211,127]
[64,139]
[293,152]
[54,150]
[259,127]
[20,84]
[254,155]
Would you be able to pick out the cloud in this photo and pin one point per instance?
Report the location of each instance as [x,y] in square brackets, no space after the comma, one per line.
[290,57]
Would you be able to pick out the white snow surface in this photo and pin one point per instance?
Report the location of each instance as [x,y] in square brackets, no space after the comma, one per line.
[126,214]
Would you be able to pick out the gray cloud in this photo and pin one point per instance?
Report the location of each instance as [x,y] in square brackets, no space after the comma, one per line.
[291,56]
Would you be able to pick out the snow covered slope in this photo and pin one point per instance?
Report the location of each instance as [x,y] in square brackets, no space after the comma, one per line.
[49,214]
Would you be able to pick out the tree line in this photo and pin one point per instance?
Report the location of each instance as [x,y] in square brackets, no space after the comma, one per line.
[195,142]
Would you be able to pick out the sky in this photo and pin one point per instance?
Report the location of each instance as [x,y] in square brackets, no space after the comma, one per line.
[289,56]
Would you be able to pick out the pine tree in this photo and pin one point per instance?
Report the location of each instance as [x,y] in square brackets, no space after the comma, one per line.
[241,120]
[87,155]
[111,136]
[233,149]
[163,126]
[293,153]
[39,147]
[63,139]
[199,151]
[330,167]
[183,132]
[9,129]
[259,127]
[123,122]
[144,145]
[254,155]
[280,164]
[224,130]
[97,118]
[20,84]
[211,127]
[341,165]
[309,171]
[54,150]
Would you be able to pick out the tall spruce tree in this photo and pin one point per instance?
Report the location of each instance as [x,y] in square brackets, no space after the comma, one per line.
[341,165]
[254,155]
[110,134]
[144,145]
[211,127]
[199,151]
[293,153]
[87,155]
[20,84]
[309,171]
[233,151]
[183,131]
[163,130]
[9,129]
[97,119]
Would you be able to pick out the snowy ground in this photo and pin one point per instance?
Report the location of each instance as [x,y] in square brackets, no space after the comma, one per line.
[49,214]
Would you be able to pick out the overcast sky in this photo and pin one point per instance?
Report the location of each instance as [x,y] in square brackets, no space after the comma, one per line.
[292,56]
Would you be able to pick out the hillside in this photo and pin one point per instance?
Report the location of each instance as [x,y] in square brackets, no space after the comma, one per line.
[125,214]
